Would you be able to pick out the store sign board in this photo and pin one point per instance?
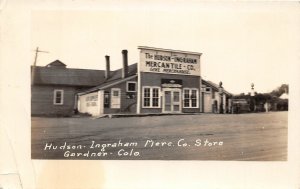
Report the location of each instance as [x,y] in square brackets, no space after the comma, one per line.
[171,83]
[168,62]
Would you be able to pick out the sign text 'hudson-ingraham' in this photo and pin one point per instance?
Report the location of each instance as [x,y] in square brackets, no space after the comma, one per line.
[169,62]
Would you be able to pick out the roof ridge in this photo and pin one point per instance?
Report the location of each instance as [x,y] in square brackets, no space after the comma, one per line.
[68,68]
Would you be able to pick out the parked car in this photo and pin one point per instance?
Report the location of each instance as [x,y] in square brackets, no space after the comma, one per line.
[240,106]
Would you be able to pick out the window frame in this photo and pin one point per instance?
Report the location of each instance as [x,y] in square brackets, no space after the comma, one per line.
[190,97]
[55,96]
[151,97]
[127,86]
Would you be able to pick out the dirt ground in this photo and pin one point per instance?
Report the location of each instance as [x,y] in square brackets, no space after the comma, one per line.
[254,137]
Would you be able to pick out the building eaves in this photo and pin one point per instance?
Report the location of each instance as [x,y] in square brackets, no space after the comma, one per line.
[68,77]
[169,50]
[215,86]
[107,85]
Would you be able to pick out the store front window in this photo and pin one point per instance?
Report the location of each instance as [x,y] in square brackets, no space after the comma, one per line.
[151,97]
[190,98]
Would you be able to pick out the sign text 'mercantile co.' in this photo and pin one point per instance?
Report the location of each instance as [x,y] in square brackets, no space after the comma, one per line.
[162,63]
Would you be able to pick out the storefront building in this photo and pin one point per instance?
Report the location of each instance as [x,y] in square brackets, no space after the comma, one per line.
[168,81]
[164,81]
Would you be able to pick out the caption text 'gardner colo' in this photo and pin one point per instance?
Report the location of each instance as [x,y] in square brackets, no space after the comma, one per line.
[123,149]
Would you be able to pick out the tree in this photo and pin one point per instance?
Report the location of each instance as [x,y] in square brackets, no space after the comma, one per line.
[284,88]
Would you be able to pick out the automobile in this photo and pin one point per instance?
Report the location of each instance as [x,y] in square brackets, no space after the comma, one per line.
[240,106]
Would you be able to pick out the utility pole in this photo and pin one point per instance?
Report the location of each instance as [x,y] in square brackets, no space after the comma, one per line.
[34,63]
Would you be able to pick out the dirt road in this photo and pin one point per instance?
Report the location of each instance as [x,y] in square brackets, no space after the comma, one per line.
[255,137]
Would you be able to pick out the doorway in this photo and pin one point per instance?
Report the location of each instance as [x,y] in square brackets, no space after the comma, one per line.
[207,102]
[115,98]
[172,100]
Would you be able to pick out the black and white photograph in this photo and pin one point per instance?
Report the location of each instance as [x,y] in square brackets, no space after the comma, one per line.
[158,87]
[96,94]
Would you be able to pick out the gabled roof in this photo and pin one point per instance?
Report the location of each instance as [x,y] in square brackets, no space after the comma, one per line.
[117,74]
[115,78]
[107,84]
[56,73]
[215,86]
[56,63]
[69,77]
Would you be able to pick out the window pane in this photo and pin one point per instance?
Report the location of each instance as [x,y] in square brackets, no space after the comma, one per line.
[155,102]
[186,94]
[186,102]
[131,87]
[58,94]
[146,92]
[194,94]
[115,93]
[176,96]
[146,102]
[194,102]
[155,92]
[167,97]
[58,100]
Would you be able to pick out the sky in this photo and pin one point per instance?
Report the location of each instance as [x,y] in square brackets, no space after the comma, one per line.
[241,43]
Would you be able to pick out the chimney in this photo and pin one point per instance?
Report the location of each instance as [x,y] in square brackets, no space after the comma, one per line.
[125,64]
[107,71]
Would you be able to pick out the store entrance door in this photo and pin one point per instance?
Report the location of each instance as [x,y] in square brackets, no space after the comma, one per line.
[171,100]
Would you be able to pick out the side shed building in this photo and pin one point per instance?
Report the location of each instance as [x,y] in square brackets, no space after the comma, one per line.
[117,94]
[213,96]
[54,87]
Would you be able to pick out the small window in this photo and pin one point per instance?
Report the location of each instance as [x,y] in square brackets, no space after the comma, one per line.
[116,93]
[58,98]
[131,86]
